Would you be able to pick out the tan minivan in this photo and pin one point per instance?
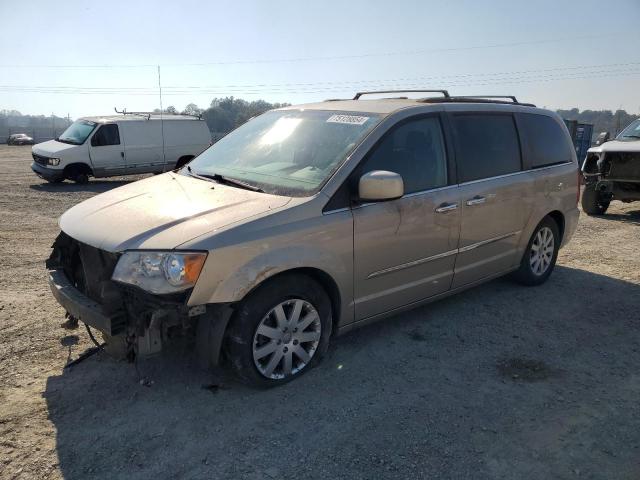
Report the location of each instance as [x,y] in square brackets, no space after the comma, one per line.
[311,220]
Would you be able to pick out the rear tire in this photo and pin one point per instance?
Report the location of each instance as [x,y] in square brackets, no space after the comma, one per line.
[268,343]
[539,258]
[592,202]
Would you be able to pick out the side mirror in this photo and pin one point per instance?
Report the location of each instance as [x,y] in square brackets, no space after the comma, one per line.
[602,138]
[380,185]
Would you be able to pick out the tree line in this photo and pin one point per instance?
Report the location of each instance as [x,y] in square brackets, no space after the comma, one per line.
[602,120]
[225,114]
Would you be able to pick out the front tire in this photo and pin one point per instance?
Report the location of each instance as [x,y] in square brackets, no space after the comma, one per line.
[592,201]
[539,258]
[280,331]
[81,178]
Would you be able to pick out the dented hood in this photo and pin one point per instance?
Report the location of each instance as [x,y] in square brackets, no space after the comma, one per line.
[162,212]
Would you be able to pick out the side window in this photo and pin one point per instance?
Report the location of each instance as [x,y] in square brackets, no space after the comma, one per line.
[548,143]
[487,145]
[106,135]
[415,150]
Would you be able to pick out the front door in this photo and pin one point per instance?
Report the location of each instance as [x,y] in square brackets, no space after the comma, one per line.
[405,249]
[495,195]
[107,151]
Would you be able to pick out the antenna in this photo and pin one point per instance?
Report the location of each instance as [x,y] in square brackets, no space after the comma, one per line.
[164,156]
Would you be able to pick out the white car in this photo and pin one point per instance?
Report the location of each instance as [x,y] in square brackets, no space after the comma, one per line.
[612,171]
[120,145]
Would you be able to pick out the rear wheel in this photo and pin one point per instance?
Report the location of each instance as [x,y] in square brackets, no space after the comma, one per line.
[539,258]
[280,331]
[592,201]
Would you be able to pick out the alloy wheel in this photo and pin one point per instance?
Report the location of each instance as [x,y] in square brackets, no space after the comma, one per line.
[542,249]
[286,339]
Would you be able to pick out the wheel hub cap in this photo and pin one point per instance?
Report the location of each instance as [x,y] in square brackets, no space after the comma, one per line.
[286,339]
[542,249]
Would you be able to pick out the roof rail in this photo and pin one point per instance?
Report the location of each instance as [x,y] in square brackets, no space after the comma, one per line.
[506,99]
[443,92]
[497,97]
[148,114]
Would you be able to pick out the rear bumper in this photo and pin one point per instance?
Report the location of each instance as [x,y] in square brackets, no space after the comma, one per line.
[47,173]
[80,306]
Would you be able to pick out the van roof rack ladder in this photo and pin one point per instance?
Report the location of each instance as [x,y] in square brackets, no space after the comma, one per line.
[148,114]
[443,92]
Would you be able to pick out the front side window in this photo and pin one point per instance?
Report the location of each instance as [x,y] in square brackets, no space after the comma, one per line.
[487,146]
[415,150]
[106,135]
[286,152]
[632,132]
[547,140]
[77,132]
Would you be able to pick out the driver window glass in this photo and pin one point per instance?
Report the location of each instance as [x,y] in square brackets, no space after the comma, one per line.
[106,135]
[415,150]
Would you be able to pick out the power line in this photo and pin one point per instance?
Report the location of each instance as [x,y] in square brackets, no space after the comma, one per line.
[582,68]
[320,87]
[326,58]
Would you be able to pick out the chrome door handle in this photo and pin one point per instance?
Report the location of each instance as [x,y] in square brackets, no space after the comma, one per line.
[446,207]
[477,200]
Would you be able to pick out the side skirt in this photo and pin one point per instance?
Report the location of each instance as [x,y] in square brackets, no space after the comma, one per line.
[410,306]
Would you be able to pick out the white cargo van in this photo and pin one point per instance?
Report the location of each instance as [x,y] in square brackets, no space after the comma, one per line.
[120,145]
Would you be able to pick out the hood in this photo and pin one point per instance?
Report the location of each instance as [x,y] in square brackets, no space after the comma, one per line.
[617,146]
[162,212]
[51,148]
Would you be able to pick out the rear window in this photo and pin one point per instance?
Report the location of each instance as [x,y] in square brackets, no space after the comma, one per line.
[487,146]
[548,143]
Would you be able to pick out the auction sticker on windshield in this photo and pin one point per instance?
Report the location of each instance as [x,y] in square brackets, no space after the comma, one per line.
[348,119]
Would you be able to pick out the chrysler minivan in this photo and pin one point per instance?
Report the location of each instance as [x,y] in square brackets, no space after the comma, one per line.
[309,221]
[116,145]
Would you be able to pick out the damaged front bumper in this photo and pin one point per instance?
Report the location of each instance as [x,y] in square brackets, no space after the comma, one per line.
[80,280]
[82,307]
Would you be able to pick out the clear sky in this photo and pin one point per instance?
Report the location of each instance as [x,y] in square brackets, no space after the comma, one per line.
[85,58]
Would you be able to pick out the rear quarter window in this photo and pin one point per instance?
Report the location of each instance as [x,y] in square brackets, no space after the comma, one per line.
[487,145]
[547,140]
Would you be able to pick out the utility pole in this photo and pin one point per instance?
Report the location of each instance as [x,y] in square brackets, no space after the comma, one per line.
[53,125]
[164,156]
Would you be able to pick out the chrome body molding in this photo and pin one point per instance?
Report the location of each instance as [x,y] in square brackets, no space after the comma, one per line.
[421,261]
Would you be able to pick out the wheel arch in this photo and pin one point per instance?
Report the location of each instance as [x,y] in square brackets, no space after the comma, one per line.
[325,280]
[79,167]
[558,217]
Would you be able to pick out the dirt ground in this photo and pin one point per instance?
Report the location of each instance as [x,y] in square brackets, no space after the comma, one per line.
[501,381]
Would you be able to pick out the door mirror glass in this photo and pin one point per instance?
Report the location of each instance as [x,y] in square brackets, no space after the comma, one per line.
[380,185]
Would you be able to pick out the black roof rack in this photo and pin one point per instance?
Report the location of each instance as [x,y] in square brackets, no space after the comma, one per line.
[443,92]
[506,99]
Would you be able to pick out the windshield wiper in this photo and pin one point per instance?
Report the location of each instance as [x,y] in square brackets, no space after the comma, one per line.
[216,177]
[631,136]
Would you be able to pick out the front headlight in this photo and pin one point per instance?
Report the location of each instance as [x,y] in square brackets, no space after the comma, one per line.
[159,272]
[53,161]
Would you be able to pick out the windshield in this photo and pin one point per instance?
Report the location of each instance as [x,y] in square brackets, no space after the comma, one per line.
[77,132]
[632,132]
[286,152]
